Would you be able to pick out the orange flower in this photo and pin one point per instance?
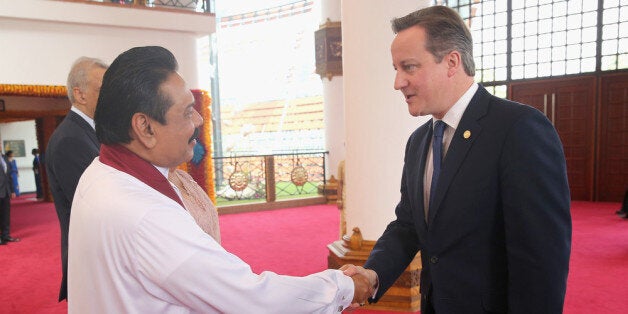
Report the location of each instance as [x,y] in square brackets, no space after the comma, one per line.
[203,172]
[54,91]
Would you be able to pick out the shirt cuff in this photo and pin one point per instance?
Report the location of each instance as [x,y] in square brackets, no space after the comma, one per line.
[345,291]
[376,286]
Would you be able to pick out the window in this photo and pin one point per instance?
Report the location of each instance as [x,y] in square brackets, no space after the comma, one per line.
[551,38]
[614,50]
[527,39]
[269,94]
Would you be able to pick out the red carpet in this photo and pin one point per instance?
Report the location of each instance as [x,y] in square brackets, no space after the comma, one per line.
[31,268]
[293,241]
[599,260]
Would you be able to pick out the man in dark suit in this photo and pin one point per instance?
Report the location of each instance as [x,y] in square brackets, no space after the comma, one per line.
[6,194]
[37,172]
[491,216]
[74,145]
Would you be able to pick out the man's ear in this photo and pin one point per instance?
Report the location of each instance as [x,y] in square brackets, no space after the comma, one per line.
[78,95]
[454,62]
[142,130]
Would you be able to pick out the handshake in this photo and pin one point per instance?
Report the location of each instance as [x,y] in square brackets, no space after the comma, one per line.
[365,283]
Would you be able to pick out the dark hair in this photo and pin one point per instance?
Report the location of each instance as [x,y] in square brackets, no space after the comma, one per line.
[445,31]
[35,151]
[9,153]
[130,85]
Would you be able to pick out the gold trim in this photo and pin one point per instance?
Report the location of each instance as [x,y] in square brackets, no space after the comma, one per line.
[52,91]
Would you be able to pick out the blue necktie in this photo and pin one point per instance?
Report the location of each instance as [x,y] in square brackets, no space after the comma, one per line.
[437,154]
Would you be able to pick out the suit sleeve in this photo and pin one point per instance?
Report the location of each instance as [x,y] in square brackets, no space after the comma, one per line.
[399,243]
[536,205]
[70,161]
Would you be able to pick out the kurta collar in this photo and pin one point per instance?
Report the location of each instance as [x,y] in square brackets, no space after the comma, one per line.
[122,159]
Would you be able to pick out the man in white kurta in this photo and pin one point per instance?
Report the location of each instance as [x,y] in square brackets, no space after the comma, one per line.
[133,248]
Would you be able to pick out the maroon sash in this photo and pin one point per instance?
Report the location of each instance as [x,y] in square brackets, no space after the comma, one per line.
[120,158]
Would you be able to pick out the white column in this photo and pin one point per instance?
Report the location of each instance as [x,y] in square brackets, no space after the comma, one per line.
[334,113]
[377,122]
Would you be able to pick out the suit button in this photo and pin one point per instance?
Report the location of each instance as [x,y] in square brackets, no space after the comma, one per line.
[433,259]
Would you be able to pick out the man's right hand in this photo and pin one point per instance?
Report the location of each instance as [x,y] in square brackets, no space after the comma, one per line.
[353,271]
[363,289]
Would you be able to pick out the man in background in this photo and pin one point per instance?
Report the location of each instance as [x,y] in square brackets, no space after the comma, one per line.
[73,146]
[12,163]
[484,192]
[134,247]
[6,194]
[37,172]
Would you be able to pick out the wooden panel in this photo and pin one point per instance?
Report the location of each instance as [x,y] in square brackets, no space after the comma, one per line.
[613,138]
[570,105]
[574,118]
[533,97]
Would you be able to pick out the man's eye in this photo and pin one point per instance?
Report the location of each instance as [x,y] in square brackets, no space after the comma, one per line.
[410,67]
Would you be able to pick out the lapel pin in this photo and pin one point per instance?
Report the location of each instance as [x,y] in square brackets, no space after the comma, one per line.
[466,134]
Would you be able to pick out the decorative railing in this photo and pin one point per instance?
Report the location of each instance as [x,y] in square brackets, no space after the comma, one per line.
[268,178]
[206,6]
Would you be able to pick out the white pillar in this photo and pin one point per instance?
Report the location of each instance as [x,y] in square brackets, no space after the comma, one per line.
[377,122]
[334,113]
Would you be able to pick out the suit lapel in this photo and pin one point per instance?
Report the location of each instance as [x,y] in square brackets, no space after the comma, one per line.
[91,134]
[460,145]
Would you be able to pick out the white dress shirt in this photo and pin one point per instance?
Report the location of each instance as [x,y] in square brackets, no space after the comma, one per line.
[451,118]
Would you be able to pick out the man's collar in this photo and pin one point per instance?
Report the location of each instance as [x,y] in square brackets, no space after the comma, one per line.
[162,170]
[84,116]
[454,114]
[122,159]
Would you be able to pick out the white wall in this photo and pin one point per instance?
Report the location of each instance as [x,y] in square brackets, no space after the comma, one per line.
[377,120]
[40,40]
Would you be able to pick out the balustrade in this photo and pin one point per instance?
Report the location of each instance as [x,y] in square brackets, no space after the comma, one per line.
[268,178]
[206,6]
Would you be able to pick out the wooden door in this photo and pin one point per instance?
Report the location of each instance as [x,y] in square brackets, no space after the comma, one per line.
[570,105]
[612,174]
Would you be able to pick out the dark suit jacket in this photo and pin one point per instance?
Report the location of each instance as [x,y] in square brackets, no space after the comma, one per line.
[6,188]
[499,237]
[6,181]
[72,147]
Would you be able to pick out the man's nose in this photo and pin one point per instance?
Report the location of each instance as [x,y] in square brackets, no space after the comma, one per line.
[400,81]
[198,119]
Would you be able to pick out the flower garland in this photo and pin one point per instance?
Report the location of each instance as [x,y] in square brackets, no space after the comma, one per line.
[54,91]
[201,167]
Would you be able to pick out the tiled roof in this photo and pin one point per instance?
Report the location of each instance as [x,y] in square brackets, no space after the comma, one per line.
[274,116]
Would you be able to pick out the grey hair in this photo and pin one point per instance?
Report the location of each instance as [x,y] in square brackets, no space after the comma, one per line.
[79,72]
[445,31]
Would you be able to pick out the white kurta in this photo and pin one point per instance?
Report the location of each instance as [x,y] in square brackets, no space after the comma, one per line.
[134,250]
